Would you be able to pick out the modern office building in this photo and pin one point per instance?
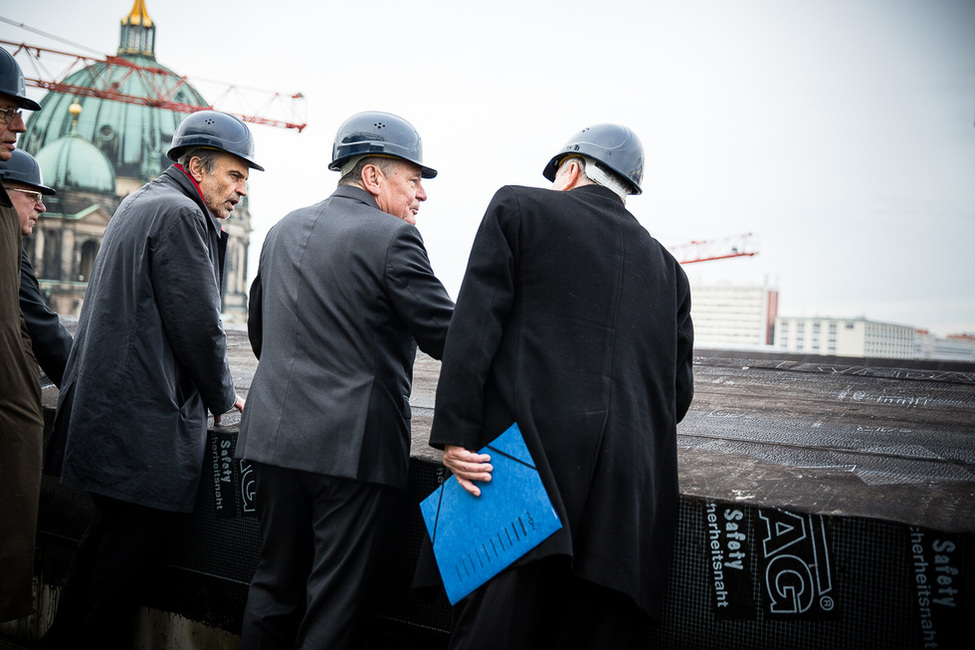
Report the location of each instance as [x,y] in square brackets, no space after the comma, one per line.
[955,347]
[846,337]
[732,315]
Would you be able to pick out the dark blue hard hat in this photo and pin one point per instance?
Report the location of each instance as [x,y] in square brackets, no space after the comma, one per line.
[374,133]
[22,167]
[613,145]
[214,130]
[12,81]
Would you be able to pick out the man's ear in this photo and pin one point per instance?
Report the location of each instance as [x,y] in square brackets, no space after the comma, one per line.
[568,176]
[371,177]
[575,172]
[196,168]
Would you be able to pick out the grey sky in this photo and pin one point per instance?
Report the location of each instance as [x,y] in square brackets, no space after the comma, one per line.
[839,132]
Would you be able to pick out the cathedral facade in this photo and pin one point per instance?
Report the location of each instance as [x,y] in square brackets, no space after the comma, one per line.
[95,149]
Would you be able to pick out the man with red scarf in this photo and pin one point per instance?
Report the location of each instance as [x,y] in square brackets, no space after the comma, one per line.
[150,360]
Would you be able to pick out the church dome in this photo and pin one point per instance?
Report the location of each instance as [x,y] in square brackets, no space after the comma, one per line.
[133,136]
[73,163]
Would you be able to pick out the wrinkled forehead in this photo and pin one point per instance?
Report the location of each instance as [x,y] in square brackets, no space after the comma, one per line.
[228,162]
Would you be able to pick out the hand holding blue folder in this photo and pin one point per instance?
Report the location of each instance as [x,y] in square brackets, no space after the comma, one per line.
[475,538]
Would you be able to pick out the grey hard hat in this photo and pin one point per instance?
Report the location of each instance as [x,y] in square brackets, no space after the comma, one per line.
[12,81]
[214,130]
[374,133]
[22,167]
[613,145]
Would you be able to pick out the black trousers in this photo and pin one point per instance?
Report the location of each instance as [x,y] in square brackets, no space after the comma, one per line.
[99,602]
[323,544]
[542,605]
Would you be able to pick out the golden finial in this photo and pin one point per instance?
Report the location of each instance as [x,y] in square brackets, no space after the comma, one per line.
[75,110]
[138,15]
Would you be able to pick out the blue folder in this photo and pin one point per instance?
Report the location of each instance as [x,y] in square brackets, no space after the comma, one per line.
[474,538]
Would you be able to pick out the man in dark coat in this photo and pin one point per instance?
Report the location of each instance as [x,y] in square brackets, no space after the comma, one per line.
[21,422]
[49,339]
[575,323]
[149,361]
[343,296]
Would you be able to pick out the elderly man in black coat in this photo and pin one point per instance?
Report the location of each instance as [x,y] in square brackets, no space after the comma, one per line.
[575,323]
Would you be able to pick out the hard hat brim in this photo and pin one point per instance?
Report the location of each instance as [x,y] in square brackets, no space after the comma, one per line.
[44,189]
[29,104]
[175,152]
[23,101]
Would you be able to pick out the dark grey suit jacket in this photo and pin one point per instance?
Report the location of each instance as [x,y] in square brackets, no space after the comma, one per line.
[344,294]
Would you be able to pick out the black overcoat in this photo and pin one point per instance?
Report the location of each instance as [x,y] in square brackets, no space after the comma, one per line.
[49,339]
[149,357]
[575,323]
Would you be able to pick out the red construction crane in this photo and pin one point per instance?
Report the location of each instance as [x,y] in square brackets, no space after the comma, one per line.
[714,249]
[106,78]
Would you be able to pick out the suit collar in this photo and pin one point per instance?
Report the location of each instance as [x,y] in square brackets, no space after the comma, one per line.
[356,194]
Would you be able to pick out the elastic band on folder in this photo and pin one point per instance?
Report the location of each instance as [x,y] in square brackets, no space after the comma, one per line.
[517,460]
[436,521]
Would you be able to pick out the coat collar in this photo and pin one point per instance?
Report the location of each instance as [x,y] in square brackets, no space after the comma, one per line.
[599,189]
[176,174]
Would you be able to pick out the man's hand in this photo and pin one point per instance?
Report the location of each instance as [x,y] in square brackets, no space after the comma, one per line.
[238,404]
[468,466]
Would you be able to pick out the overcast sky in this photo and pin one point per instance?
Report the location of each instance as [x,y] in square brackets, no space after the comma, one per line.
[841,133]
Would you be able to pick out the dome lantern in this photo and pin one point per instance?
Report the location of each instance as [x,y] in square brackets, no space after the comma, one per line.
[138,34]
[132,135]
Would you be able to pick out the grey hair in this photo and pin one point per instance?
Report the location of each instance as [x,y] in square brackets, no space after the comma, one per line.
[580,162]
[599,174]
[354,176]
[208,158]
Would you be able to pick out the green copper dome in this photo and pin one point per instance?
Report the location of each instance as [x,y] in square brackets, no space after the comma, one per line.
[133,136]
[73,163]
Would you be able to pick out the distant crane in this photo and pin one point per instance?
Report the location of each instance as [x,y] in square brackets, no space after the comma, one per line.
[715,249]
[107,75]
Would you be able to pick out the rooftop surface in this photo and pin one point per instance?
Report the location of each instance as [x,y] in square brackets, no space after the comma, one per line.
[892,440]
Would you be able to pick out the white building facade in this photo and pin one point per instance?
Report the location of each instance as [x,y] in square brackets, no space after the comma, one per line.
[746,316]
[733,315]
[957,347]
[846,337]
